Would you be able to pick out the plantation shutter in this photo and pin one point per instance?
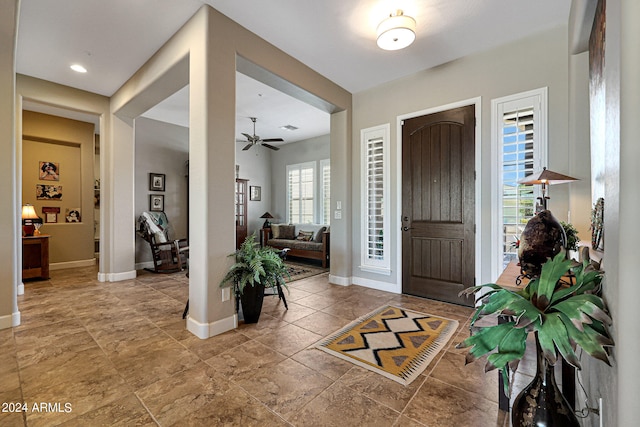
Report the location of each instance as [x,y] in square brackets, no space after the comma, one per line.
[375,204]
[375,197]
[326,191]
[521,140]
[300,189]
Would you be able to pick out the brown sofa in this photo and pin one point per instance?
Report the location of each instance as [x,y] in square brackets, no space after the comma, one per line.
[309,241]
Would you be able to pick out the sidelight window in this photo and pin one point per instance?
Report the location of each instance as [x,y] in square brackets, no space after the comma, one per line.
[519,133]
[375,199]
[325,177]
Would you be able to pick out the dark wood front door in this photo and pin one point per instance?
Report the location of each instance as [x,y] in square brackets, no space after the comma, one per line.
[438,204]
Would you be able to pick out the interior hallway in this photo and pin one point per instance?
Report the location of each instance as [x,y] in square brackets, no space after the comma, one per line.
[118,354]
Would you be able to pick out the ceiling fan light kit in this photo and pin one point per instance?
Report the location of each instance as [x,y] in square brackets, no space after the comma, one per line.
[396,32]
[256,140]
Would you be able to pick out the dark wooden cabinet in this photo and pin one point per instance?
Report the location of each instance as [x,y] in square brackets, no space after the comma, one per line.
[35,257]
[241,211]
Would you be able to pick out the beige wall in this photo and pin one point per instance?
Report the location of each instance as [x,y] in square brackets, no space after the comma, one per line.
[161,148]
[619,386]
[9,209]
[535,62]
[70,143]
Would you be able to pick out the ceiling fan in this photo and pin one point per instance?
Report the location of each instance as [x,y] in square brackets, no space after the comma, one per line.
[255,139]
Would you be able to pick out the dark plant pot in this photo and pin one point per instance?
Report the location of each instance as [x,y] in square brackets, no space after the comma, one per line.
[251,299]
[542,238]
[541,403]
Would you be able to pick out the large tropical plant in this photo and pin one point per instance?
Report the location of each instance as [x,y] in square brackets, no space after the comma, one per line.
[562,316]
[255,265]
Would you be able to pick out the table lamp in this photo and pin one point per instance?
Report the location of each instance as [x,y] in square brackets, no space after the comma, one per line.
[267,217]
[29,219]
[543,237]
[545,177]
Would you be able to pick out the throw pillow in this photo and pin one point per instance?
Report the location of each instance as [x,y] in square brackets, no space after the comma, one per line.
[305,236]
[287,232]
[319,234]
[275,231]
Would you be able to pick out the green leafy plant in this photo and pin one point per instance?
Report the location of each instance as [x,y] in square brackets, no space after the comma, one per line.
[572,236]
[562,317]
[255,264]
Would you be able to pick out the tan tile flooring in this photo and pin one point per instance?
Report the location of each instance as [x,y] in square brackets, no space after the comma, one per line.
[118,354]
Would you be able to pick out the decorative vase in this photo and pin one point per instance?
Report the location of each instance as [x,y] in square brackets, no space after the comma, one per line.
[542,238]
[541,403]
[251,299]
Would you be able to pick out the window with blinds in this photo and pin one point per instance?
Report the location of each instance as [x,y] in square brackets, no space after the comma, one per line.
[518,200]
[301,193]
[325,176]
[375,203]
[521,145]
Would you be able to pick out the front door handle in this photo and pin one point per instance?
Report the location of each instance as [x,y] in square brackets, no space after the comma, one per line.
[405,228]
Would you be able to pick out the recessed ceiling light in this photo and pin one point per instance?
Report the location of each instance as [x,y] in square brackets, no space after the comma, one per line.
[78,68]
[288,127]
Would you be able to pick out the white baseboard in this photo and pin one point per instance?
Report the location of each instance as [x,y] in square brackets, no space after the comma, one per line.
[73,264]
[10,321]
[208,330]
[116,277]
[21,289]
[339,280]
[378,285]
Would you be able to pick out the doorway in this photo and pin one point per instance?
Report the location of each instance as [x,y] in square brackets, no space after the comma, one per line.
[438,204]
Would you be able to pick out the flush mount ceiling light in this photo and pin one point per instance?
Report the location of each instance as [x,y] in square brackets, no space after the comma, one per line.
[78,68]
[396,32]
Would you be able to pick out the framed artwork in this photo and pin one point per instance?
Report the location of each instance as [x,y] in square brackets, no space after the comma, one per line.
[156,181]
[73,215]
[255,192]
[156,202]
[50,214]
[48,192]
[49,171]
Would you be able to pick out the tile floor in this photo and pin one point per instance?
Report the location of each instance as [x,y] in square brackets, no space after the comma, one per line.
[118,354]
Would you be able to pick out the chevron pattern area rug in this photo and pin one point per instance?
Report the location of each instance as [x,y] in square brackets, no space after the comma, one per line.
[394,342]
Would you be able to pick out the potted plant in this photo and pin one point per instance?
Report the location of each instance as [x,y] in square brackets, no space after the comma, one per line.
[561,317]
[572,236]
[255,269]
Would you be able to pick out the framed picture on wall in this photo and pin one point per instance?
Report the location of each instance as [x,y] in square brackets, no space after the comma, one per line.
[255,193]
[49,171]
[50,213]
[156,202]
[156,181]
[48,192]
[73,215]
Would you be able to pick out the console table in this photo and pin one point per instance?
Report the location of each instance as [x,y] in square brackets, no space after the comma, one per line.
[35,257]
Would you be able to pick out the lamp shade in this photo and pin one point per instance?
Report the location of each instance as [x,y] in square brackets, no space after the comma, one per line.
[396,32]
[266,215]
[29,217]
[547,177]
[29,212]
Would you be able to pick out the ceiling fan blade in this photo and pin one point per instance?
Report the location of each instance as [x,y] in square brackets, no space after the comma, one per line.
[249,137]
[246,147]
[273,140]
[270,146]
[241,140]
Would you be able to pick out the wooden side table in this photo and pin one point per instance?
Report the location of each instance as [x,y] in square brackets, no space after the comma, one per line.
[35,257]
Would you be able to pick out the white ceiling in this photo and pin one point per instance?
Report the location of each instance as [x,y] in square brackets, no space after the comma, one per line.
[114,38]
